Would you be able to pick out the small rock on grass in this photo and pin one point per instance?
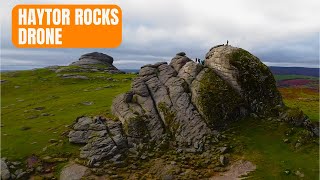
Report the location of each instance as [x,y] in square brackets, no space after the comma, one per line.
[73,171]
[16,163]
[45,114]
[287,171]
[300,174]
[24,128]
[39,108]
[286,140]
[53,140]
[87,103]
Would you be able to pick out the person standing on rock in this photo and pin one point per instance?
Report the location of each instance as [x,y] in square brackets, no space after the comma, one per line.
[227,42]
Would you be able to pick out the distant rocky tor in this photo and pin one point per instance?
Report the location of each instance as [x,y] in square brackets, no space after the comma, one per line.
[184,103]
[90,62]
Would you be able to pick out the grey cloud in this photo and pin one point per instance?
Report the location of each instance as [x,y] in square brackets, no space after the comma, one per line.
[278,32]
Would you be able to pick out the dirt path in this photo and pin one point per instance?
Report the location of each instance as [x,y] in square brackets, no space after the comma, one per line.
[236,170]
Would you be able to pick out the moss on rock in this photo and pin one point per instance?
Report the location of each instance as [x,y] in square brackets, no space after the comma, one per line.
[217,100]
[136,127]
[169,116]
[258,86]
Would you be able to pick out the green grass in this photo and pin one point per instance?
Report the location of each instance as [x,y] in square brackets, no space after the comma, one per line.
[26,131]
[261,141]
[303,98]
[288,77]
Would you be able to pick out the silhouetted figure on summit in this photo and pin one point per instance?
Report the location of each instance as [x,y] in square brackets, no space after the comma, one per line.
[227,42]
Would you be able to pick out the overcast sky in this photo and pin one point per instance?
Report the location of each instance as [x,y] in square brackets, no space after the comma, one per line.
[279,32]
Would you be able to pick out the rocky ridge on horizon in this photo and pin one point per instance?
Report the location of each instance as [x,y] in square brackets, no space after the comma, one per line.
[90,62]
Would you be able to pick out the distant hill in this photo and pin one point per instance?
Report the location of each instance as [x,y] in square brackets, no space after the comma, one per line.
[295,70]
[275,70]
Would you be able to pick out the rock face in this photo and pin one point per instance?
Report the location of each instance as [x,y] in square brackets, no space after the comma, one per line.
[103,138]
[91,62]
[187,100]
[159,104]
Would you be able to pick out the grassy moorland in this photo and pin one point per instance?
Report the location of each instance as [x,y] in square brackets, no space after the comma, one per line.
[261,141]
[37,106]
[300,92]
[289,76]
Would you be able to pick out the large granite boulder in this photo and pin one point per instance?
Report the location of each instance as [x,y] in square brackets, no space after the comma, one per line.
[247,75]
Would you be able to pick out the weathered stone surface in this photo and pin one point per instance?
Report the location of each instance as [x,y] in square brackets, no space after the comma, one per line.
[73,172]
[178,61]
[5,173]
[218,60]
[190,71]
[160,103]
[79,137]
[136,125]
[103,138]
